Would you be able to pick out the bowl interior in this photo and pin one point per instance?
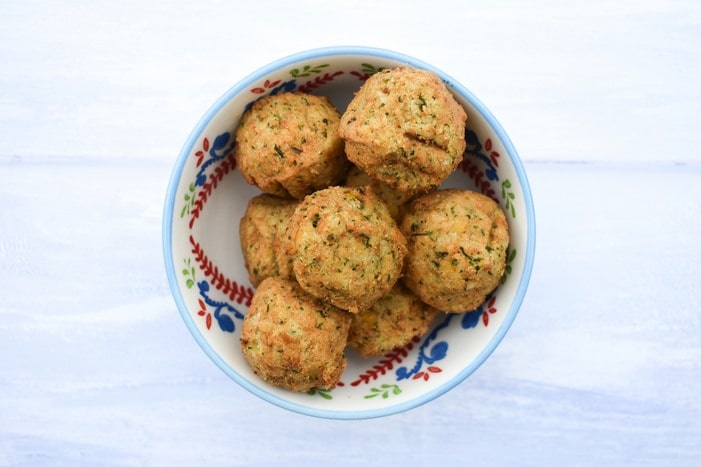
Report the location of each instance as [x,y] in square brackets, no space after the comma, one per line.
[207,197]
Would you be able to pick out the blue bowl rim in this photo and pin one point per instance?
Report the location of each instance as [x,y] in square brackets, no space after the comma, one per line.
[169,207]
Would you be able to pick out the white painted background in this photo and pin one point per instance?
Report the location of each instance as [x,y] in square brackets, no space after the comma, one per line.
[569,80]
[600,98]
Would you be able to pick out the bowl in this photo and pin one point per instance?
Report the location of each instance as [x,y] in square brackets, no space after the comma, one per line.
[206,199]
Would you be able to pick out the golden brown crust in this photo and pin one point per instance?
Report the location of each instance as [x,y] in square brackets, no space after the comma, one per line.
[288,145]
[264,220]
[457,241]
[293,340]
[345,247]
[394,199]
[405,128]
[390,323]
[284,255]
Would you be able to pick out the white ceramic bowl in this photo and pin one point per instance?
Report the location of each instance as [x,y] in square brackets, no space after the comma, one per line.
[207,197]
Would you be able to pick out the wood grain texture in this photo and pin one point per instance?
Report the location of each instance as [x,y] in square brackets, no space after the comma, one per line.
[568,81]
[600,367]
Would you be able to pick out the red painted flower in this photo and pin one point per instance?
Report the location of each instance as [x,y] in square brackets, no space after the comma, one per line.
[203,312]
[493,155]
[426,374]
[490,310]
[200,154]
[266,85]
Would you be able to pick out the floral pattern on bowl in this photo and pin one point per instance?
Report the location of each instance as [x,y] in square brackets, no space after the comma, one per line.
[207,197]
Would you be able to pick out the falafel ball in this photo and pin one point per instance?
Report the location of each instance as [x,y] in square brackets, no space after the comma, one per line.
[457,241]
[263,221]
[293,340]
[394,199]
[287,144]
[405,128]
[345,247]
[390,323]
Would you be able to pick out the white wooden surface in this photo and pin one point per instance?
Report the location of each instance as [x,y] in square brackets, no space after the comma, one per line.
[600,368]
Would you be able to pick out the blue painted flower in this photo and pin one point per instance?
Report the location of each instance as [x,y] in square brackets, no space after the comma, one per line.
[470,320]
[222,310]
[474,149]
[286,86]
[438,352]
[222,147]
